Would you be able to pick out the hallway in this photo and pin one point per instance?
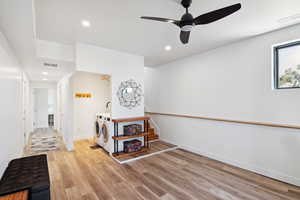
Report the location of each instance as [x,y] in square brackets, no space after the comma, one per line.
[44,140]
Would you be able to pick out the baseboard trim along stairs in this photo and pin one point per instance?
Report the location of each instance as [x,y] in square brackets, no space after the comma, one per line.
[144,156]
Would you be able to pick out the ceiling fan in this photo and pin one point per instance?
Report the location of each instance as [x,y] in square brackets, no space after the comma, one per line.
[187,21]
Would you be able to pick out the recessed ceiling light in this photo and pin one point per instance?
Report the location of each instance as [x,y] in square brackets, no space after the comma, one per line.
[85,23]
[45,73]
[168,48]
[44,79]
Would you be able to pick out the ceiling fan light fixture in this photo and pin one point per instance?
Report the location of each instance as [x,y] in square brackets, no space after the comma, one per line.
[187,28]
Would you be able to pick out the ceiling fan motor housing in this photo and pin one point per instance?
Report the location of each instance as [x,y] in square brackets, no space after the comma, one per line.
[186,23]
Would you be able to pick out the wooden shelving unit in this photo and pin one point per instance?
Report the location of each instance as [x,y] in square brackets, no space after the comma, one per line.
[125,137]
[117,137]
[123,154]
[133,119]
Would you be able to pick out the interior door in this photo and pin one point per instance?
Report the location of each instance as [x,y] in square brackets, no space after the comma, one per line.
[41,107]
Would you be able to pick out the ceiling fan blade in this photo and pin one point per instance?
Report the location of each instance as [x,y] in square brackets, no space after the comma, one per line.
[185,36]
[217,14]
[161,19]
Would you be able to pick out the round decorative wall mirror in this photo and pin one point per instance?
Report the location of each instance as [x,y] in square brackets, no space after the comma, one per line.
[130,94]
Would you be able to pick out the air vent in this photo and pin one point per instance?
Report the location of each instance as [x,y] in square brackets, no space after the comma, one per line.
[51,65]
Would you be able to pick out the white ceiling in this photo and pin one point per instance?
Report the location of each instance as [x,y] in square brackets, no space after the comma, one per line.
[116,24]
[17,22]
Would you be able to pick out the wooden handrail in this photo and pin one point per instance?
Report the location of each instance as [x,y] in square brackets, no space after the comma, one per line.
[227,120]
[132,119]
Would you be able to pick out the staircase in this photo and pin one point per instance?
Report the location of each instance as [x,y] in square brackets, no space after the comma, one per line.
[153,135]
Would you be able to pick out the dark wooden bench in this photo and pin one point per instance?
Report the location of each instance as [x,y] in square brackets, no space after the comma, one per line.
[29,173]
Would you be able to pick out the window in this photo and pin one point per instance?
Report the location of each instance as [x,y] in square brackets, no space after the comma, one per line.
[287,65]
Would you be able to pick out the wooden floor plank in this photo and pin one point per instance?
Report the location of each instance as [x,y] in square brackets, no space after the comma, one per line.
[176,175]
[146,194]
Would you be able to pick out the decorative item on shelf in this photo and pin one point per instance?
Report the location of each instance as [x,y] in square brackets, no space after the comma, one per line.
[130,94]
[83,95]
[132,146]
[132,129]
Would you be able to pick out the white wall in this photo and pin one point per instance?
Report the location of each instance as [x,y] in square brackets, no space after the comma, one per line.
[65,111]
[121,67]
[26,112]
[43,84]
[52,100]
[85,109]
[12,133]
[232,82]
[40,108]
[151,88]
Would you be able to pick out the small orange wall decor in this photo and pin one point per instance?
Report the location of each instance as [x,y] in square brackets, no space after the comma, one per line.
[83,95]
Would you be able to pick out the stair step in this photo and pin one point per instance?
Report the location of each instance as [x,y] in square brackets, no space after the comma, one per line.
[151,130]
[153,137]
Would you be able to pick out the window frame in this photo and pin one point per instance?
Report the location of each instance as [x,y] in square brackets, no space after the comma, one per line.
[275,66]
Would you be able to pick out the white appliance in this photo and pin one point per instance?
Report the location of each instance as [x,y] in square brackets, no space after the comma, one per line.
[104,138]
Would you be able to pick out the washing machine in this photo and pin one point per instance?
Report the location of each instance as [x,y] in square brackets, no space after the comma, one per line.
[98,132]
[104,137]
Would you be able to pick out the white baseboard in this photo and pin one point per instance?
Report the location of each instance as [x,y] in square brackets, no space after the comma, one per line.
[265,172]
[4,163]
[3,166]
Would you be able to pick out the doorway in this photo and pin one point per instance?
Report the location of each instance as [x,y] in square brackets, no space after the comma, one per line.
[44,136]
[93,95]
[44,106]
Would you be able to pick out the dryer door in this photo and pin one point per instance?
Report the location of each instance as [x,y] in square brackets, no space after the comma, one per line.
[105,133]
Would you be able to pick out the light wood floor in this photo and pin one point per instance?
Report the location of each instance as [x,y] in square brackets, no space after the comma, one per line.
[87,174]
